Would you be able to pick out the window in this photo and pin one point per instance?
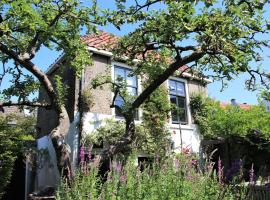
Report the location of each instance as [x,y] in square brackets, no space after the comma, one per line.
[178,99]
[123,74]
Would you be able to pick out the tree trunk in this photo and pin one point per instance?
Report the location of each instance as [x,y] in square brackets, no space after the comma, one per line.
[122,145]
[62,151]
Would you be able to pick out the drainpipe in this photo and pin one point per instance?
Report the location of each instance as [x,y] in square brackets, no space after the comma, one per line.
[80,110]
[26,180]
[181,139]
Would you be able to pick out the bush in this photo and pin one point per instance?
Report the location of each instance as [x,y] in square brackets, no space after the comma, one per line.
[215,121]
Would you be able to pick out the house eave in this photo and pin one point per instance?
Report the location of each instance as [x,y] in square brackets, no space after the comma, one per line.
[188,75]
[100,52]
[54,65]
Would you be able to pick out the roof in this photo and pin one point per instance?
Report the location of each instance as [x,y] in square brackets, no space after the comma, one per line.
[10,110]
[101,41]
[107,41]
[243,106]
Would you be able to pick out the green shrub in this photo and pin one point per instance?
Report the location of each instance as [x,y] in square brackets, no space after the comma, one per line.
[12,143]
[215,121]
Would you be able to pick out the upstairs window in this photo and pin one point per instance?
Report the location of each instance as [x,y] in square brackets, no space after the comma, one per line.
[124,74]
[178,101]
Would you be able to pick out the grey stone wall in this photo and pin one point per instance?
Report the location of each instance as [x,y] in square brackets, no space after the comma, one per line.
[102,97]
[47,119]
[196,87]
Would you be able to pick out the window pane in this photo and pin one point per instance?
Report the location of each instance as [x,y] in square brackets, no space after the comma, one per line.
[180,89]
[174,116]
[172,87]
[131,80]
[119,102]
[118,113]
[173,101]
[132,91]
[119,73]
[182,109]
[122,74]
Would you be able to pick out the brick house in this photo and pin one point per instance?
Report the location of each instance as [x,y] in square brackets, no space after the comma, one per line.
[180,89]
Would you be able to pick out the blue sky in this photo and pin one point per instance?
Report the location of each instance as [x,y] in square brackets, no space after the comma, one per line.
[235,88]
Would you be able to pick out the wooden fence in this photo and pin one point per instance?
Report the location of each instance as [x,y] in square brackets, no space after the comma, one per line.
[258,193]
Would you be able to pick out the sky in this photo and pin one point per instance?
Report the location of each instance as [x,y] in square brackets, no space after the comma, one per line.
[234,90]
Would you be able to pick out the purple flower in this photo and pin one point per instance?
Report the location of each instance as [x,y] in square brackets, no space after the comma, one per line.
[220,171]
[251,175]
[123,178]
[82,153]
[194,162]
[119,167]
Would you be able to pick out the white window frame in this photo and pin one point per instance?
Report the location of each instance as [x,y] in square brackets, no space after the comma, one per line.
[139,87]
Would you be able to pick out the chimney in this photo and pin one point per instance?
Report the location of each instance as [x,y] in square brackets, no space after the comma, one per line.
[233,102]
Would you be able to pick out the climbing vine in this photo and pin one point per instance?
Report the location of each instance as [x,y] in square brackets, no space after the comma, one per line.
[151,135]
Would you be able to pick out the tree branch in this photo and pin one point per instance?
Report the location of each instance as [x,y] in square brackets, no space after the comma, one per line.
[165,75]
[35,43]
[40,75]
[140,7]
[4,71]
[25,103]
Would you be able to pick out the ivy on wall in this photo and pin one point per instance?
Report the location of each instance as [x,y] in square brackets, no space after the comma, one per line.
[151,135]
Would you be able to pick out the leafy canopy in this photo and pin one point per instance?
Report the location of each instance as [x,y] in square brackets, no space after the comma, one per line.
[26,26]
[219,38]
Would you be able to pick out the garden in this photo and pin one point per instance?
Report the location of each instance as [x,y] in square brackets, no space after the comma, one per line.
[202,40]
[185,175]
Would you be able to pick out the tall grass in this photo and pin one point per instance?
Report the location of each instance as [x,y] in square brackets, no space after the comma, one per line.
[173,178]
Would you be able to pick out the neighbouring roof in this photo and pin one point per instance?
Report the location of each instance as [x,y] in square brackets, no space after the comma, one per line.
[11,110]
[243,106]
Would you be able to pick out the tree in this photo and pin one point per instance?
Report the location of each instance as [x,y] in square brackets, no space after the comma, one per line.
[28,26]
[221,38]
